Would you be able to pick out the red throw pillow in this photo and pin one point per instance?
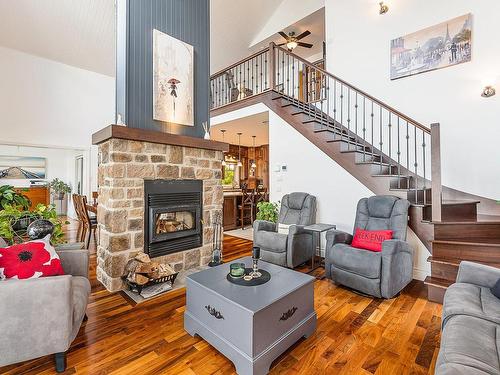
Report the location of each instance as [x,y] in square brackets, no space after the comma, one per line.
[370,239]
[30,260]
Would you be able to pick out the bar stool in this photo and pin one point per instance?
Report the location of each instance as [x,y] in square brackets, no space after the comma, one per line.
[246,207]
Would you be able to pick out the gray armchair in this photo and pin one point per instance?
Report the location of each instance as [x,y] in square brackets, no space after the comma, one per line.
[42,316]
[380,274]
[294,248]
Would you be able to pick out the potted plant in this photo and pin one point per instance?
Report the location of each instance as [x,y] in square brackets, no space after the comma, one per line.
[59,188]
[267,211]
[12,232]
[9,197]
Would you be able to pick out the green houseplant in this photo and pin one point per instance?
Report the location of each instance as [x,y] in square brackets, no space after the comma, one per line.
[10,198]
[267,211]
[13,226]
[59,188]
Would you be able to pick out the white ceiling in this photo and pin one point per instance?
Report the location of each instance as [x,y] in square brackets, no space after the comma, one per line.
[257,125]
[233,25]
[80,33]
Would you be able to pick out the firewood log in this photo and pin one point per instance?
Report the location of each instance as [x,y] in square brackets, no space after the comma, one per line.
[143,258]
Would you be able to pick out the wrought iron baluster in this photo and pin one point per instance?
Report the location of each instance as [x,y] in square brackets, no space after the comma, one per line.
[416,162]
[364,128]
[399,164]
[348,118]
[381,139]
[327,96]
[389,125]
[372,125]
[266,54]
[423,165]
[293,78]
[288,75]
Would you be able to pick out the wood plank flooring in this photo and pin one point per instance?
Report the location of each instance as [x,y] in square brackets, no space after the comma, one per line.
[355,334]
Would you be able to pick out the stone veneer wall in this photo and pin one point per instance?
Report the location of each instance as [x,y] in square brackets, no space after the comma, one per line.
[124,165]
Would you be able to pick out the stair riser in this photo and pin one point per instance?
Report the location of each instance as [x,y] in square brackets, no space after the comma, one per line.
[462,212]
[360,158]
[435,294]
[444,271]
[466,231]
[377,169]
[354,146]
[402,183]
[418,197]
[474,253]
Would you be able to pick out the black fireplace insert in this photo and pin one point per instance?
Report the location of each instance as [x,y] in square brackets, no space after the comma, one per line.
[172,216]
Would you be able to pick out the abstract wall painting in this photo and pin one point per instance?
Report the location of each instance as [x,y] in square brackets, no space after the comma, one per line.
[438,46]
[22,168]
[173,82]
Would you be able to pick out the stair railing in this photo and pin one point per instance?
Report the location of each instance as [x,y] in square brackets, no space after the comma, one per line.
[378,133]
[243,79]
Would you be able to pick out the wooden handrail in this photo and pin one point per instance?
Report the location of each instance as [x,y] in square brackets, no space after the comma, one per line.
[223,71]
[368,96]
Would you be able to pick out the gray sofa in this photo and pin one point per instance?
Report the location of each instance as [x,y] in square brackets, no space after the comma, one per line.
[42,316]
[296,247]
[470,339]
[380,274]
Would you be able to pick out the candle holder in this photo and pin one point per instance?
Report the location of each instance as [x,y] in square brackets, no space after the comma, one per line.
[255,258]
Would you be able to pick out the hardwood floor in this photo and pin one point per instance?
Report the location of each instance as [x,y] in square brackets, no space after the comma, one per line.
[355,334]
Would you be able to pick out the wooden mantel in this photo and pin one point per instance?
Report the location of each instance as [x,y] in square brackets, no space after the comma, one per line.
[134,134]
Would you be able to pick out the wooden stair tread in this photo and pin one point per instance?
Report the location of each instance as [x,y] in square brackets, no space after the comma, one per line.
[437,282]
[450,202]
[456,262]
[477,222]
[494,242]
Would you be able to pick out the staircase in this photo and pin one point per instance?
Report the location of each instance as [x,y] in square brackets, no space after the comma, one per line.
[387,151]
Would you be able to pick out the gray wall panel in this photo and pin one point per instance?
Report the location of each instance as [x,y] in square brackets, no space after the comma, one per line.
[187,20]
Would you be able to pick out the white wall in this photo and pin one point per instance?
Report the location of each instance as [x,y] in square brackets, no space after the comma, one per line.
[358,47]
[310,170]
[46,103]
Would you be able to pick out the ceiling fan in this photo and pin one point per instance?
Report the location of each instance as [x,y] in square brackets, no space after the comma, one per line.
[293,41]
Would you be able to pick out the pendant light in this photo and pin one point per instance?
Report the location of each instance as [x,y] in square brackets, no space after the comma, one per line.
[223,157]
[253,166]
[240,164]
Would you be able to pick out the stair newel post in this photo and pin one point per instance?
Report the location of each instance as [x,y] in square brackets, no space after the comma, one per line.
[436,187]
[272,66]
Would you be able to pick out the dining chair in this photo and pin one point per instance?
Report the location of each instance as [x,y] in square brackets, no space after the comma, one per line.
[246,207]
[81,228]
[90,222]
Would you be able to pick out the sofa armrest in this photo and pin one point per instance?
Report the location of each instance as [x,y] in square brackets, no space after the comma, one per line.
[75,262]
[37,317]
[397,267]
[477,274]
[391,247]
[334,236]
[300,245]
[264,225]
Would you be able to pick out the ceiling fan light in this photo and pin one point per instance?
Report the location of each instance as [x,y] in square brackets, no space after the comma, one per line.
[292,45]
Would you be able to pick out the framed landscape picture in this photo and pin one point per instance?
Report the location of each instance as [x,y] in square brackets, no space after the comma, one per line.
[438,46]
[173,82]
[22,168]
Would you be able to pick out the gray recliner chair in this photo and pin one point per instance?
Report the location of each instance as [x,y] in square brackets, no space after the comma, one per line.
[296,247]
[380,274]
[43,316]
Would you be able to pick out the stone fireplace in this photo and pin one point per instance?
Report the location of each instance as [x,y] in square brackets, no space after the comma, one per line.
[159,194]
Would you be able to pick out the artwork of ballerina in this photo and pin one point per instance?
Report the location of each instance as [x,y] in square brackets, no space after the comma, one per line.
[173,82]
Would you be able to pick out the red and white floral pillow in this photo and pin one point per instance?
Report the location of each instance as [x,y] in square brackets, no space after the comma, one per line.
[30,260]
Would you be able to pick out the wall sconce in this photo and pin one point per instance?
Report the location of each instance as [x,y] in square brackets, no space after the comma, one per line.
[383,8]
[488,91]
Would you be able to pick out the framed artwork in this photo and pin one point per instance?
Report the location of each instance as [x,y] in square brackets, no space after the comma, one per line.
[438,46]
[22,168]
[173,82]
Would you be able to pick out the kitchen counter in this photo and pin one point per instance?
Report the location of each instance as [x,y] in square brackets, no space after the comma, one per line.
[232,193]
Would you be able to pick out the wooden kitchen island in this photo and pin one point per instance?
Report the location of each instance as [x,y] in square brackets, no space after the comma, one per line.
[230,215]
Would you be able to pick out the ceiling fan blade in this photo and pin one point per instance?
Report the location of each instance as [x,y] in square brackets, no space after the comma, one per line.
[282,44]
[306,45]
[303,35]
[283,35]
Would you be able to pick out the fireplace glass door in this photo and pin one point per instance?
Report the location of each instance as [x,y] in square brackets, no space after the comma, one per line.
[173,222]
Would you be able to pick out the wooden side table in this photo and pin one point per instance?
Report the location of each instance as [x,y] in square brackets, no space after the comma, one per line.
[316,230]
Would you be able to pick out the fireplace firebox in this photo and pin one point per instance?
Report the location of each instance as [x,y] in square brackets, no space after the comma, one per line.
[173,220]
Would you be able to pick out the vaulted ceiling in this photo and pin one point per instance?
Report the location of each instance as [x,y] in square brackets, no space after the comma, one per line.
[80,33]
